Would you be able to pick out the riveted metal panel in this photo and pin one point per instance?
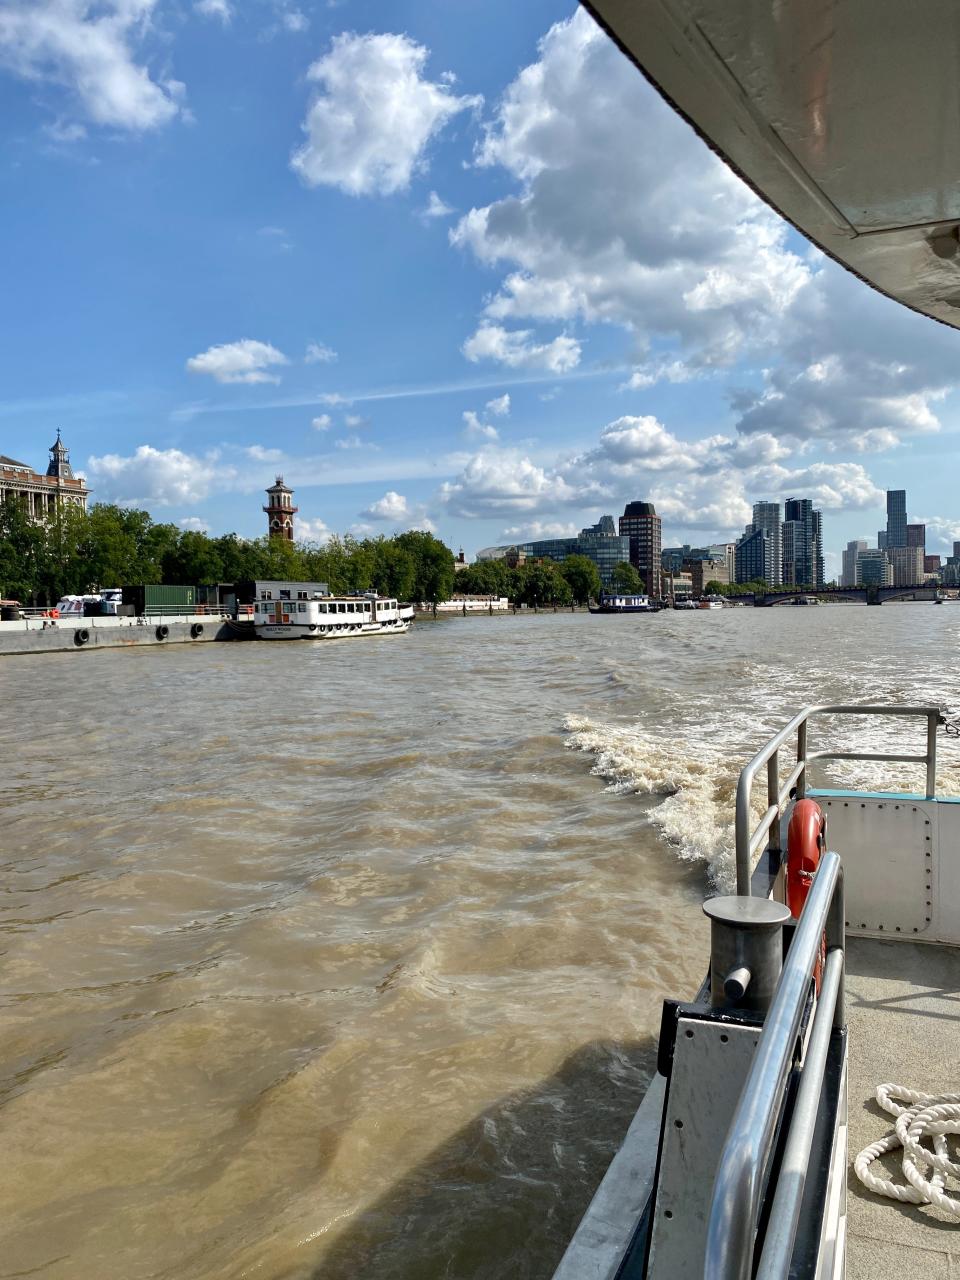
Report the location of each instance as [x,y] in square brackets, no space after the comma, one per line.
[889,852]
[710,1064]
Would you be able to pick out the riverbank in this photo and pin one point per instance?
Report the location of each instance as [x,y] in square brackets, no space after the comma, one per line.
[61,635]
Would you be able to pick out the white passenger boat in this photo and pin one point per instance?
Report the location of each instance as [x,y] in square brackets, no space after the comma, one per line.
[330,617]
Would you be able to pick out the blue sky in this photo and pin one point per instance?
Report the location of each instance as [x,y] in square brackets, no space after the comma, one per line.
[445,264]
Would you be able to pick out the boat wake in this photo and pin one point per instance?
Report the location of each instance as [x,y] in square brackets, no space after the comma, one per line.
[695,780]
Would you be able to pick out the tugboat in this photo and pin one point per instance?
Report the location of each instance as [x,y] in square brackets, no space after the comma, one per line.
[330,617]
[621,602]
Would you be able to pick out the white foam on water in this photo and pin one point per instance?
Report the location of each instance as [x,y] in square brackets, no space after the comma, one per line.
[694,777]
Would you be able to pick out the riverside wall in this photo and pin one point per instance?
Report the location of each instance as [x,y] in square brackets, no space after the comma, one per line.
[65,635]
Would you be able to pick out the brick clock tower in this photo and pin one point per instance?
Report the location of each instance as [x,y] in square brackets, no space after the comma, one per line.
[280,511]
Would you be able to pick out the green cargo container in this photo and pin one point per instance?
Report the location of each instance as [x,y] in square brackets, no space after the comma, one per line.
[149,601]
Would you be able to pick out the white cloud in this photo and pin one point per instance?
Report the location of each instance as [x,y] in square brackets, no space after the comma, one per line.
[89,49]
[435,208]
[705,485]
[243,361]
[294,20]
[503,482]
[374,115]
[537,529]
[942,532]
[319,353]
[392,506]
[643,228]
[474,428]
[164,477]
[355,421]
[257,453]
[311,531]
[500,406]
[65,132]
[193,524]
[221,9]
[333,398]
[354,442]
[515,349]
[322,423]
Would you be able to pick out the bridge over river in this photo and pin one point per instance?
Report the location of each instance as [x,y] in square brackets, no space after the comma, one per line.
[872,594]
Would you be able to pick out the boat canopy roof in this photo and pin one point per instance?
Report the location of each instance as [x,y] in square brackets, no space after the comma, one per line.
[844,115]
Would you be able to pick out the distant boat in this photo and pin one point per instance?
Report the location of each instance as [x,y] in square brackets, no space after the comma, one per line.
[617,602]
[710,603]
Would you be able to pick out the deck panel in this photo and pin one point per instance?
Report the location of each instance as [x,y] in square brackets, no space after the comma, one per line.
[903,1014]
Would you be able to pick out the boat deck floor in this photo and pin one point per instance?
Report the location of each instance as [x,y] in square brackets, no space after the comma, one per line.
[903,1015]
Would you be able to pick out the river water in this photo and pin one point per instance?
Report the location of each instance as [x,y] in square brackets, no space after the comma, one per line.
[329,960]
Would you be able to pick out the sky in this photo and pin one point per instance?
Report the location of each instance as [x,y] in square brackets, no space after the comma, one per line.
[445,264]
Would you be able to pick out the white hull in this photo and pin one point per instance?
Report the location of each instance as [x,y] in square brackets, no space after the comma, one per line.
[302,631]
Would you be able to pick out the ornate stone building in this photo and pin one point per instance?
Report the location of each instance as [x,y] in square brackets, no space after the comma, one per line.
[43,494]
[280,511]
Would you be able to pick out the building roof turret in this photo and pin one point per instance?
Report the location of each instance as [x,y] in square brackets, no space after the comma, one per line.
[59,466]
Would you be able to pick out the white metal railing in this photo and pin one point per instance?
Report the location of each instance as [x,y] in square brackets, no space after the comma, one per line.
[749,838]
[740,1184]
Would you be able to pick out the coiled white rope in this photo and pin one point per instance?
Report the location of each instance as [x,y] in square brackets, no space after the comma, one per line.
[923,1116]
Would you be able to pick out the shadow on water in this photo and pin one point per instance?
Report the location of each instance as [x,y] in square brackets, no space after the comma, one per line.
[504,1195]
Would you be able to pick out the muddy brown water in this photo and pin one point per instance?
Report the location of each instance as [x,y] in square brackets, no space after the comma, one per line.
[320,959]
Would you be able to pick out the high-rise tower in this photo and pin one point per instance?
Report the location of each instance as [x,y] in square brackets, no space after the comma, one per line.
[896,518]
[280,511]
[641,524]
[768,517]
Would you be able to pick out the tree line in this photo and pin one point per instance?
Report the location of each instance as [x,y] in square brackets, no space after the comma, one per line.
[110,546]
[572,581]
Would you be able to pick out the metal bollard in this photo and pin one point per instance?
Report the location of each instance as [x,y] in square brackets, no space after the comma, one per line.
[746,951]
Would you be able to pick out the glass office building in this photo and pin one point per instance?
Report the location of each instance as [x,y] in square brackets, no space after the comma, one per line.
[599,542]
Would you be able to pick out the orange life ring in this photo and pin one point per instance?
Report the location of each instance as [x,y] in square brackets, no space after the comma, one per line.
[806,841]
[54,613]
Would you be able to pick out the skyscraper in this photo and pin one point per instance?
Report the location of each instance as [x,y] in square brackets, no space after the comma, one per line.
[907,564]
[641,524]
[802,544]
[917,535]
[873,568]
[768,516]
[817,578]
[751,555]
[896,518]
[848,575]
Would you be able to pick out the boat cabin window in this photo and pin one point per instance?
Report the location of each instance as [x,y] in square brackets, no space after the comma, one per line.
[301,608]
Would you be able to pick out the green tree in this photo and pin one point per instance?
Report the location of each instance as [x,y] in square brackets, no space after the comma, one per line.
[485,578]
[23,552]
[393,569]
[432,565]
[626,578]
[542,584]
[242,559]
[193,561]
[583,578]
[715,588]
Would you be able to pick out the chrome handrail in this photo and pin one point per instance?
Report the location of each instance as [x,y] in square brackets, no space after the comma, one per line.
[739,1185]
[748,839]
